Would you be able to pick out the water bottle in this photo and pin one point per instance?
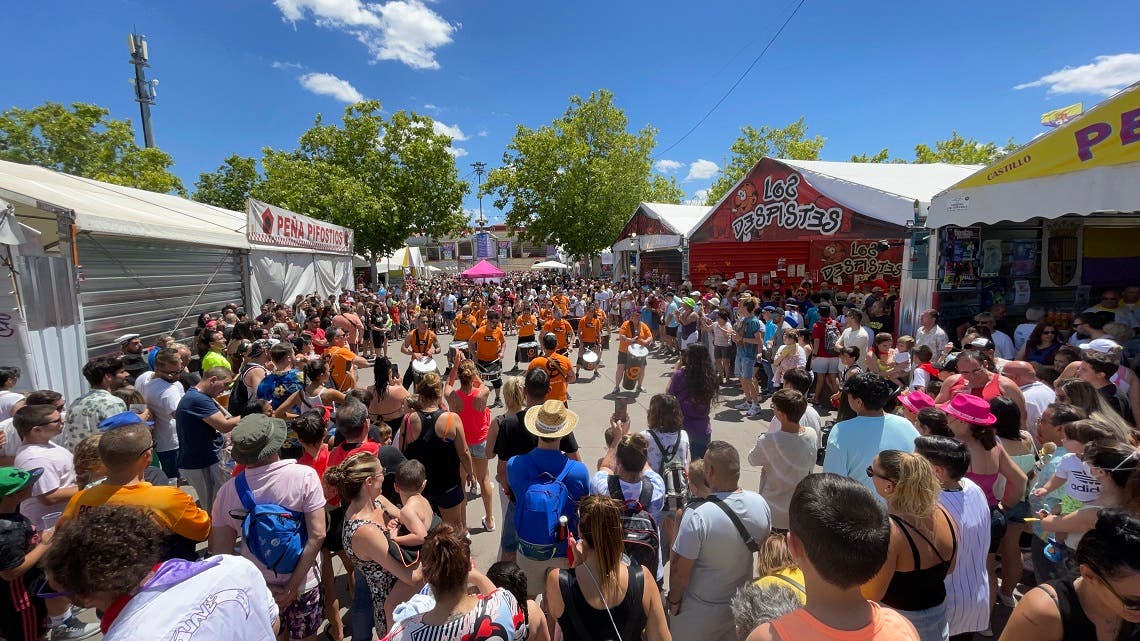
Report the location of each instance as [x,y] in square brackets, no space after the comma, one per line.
[563,528]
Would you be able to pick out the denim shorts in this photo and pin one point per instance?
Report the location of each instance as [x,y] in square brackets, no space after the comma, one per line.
[478,450]
[744,365]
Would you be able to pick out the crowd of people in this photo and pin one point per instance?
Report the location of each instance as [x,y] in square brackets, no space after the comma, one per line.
[203,489]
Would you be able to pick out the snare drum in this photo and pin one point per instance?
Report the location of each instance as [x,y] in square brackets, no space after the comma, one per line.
[589,360]
[457,346]
[635,362]
[421,366]
[605,340]
[490,372]
[526,352]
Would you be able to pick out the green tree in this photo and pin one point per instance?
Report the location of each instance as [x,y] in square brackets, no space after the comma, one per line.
[963,151]
[386,180]
[663,189]
[229,185]
[878,158]
[753,144]
[84,141]
[574,182]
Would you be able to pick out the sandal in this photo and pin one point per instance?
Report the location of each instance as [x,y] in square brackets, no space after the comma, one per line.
[489,528]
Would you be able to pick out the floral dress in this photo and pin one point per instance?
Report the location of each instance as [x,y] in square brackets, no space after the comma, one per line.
[380,581]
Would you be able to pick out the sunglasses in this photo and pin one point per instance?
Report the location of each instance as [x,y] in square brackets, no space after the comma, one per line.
[1048,331]
[872,474]
[1131,604]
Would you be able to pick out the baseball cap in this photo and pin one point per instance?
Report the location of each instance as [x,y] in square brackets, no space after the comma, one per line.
[13,479]
[768,308]
[1102,345]
[125,338]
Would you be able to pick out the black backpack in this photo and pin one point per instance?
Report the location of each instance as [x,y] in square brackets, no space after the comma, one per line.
[674,474]
[639,530]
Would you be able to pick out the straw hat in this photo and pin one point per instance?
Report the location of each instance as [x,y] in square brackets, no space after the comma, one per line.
[550,420]
[969,408]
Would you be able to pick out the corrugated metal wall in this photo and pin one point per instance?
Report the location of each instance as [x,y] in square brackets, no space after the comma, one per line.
[760,257]
[150,286]
[55,335]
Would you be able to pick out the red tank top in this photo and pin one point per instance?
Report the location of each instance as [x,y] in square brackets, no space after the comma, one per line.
[475,422]
[989,391]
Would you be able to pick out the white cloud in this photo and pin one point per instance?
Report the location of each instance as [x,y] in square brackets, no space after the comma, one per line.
[451,131]
[702,169]
[277,64]
[1105,76]
[403,30]
[667,166]
[457,152]
[326,84]
[482,133]
[698,198]
[430,107]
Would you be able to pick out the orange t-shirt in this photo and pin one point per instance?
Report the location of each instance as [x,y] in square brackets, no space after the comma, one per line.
[557,367]
[527,325]
[590,329]
[170,506]
[561,329]
[563,303]
[885,625]
[340,364]
[545,314]
[627,331]
[464,327]
[487,343]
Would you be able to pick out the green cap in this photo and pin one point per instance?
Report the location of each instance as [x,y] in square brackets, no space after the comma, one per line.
[13,479]
[257,437]
[689,301]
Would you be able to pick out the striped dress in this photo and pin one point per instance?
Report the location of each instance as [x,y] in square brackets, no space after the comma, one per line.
[968,586]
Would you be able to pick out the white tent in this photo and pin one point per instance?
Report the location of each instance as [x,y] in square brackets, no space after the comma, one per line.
[550,264]
[678,220]
[401,258]
[292,255]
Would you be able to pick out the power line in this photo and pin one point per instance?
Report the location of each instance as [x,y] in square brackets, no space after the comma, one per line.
[735,84]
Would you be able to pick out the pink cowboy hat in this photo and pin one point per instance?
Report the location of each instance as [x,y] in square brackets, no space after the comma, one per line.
[916,401]
[969,408]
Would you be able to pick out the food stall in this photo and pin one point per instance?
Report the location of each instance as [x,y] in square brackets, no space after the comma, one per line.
[653,241]
[1048,223]
[792,220]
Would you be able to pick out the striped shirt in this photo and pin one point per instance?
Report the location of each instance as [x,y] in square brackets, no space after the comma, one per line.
[968,586]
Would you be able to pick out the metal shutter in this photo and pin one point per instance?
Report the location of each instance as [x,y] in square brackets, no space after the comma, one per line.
[149,286]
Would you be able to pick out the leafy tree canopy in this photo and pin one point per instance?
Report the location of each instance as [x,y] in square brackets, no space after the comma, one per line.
[83,141]
[756,143]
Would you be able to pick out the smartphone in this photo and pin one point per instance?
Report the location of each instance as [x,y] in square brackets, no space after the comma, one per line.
[138,408]
[395,370]
[621,407]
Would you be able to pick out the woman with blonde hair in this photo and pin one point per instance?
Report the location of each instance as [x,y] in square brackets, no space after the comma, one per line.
[600,598]
[359,479]
[1082,394]
[775,566]
[469,401]
[924,543]
[434,436]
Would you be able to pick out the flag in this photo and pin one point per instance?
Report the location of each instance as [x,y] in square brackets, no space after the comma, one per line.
[1058,117]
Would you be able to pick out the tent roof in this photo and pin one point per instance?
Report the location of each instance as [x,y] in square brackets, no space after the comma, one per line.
[885,191]
[125,211]
[682,219]
[483,269]
[1082,167]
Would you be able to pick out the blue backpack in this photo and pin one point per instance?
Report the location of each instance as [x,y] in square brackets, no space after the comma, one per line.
[537,512]
[275,535]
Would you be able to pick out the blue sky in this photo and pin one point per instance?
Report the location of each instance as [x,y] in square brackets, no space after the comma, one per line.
[239,75]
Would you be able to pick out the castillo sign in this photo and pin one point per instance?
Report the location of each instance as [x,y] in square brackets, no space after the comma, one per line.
[269,225]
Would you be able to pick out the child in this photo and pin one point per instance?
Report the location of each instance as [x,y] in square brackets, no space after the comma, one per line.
[787,455]
[21,548]
[839,537]
[410,528]
[924,372]
[1081,487]
[698,486]
[775,566]
[383,434]
[903,354]
[611,434]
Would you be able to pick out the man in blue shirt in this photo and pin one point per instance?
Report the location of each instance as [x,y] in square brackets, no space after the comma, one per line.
[749,339]
[671,322]
[539,548]
[853,444]
[200,423]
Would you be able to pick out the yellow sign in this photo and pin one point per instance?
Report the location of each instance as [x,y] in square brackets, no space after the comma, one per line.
[1107,135]
[1058,117]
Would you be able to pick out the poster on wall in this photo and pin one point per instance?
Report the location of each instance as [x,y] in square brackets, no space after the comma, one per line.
[504,249]
[991,257]
[447,251]
[959,255]
[483,245]
[1023,258]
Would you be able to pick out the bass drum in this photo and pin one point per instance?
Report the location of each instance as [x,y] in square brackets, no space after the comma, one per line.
[635,363]
[421,367]
[526,352]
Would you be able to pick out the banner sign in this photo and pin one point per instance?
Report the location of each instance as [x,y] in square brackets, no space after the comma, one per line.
[504,249]
[447,251]
[483,246]
[855,260]
[270,225]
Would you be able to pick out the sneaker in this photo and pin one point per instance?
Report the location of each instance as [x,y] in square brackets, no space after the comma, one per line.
[742,406]
[1007,600]
[498,403]
[753,411]
[73,629]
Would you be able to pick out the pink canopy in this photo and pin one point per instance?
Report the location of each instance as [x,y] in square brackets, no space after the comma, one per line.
[483,269]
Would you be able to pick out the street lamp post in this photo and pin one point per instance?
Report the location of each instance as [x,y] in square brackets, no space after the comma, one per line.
[636,276]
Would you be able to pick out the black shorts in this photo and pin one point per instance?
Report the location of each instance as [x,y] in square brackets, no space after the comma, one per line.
[334,529]
[724,352]
[446,500]
[623,358]
[671,331]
